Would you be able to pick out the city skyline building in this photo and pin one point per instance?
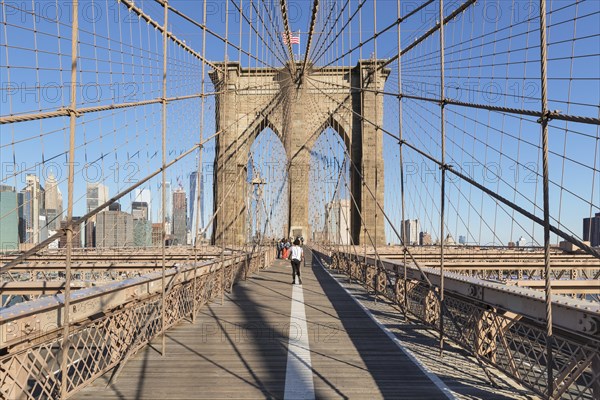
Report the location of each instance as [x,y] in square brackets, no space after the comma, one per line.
[96,194]
[169,205]
[142,233]
[32,204]
[157,233]
[591,230]
[53,203]
[140,210]
[425,239]
[114,228]
[337,225]
[9,224]
[179,216]
[412,228]
[144,196]
[76,240]
[192,205]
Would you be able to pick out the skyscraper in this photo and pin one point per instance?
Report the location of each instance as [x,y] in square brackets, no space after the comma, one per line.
[97,194]
[76,241]
[144,196]
[425,239]
[193,181]
[142,227]
[9,219]
[114,228]
[32,209]
[180,216]
[53,203]
[337,217]
[140,210]
[412,228]
[168,205]
[591,230]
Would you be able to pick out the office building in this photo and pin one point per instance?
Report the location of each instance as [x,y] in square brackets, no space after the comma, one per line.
[142,233]
[192,205]
[53,203]
[90,234]
[412,227]
[425,239]
[462,239]
[144,196]
[140,210]
[591,230]
[179,217]
[62,242]
[96,195]
[9,219]
[157,233]
[114,228]
[337,222]
[168,205]
[32,209]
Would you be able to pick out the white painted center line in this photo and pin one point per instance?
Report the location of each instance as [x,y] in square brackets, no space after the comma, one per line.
[298,374]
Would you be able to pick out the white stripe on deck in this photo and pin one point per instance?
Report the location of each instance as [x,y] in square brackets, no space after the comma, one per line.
[298,373]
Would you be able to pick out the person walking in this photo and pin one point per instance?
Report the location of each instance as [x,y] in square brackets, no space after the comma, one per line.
[297,257]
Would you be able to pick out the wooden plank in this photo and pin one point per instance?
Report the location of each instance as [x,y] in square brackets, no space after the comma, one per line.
[239,349]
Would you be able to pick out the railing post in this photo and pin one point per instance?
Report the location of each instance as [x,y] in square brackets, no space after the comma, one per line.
[546,186]
[64,365]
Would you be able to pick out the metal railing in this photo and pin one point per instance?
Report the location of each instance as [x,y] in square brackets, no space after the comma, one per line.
[108,325]
[502,326]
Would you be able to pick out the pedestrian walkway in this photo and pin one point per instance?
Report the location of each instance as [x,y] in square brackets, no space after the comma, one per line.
[272,339]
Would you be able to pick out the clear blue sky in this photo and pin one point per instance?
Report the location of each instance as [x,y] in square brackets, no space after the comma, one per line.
[492,57]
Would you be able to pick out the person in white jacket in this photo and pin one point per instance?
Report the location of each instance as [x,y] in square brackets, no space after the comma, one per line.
[297,257]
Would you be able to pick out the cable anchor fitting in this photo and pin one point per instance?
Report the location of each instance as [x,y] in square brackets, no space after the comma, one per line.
[548,116]
[72,112]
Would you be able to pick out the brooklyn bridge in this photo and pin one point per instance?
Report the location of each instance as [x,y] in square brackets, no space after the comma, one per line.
[435,162]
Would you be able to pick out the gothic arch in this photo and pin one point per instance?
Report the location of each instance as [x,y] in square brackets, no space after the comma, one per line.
[257,98]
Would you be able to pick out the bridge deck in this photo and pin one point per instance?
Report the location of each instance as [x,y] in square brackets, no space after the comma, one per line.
[240,349]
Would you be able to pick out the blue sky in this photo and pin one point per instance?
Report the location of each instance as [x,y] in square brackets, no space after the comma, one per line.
[492,57]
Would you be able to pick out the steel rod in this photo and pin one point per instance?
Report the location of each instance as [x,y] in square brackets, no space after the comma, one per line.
[164,183]
[64,387]
[443,178]
[546,194]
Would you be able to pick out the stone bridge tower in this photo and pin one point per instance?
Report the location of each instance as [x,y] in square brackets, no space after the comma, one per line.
[252,99]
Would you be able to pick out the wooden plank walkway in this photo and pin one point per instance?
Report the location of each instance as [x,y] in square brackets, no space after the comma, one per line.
[240,349]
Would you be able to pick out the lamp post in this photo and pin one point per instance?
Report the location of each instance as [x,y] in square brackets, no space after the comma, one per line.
[257,183]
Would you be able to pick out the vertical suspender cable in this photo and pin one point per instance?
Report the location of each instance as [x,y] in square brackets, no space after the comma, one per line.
[164,178]
[222,155]
[375,95]
[544,123]
[402,203]
[71,178]
[443,180]
[200,171]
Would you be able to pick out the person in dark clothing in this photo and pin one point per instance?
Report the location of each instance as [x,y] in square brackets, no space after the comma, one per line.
[297,257]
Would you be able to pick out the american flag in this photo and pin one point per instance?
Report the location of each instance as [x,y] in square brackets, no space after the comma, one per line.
[293,39]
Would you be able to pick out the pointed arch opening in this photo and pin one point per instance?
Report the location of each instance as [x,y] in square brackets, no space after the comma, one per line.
[267,185]
[330,199]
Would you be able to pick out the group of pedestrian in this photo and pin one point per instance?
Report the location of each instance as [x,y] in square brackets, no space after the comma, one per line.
[286,249]
[283,247]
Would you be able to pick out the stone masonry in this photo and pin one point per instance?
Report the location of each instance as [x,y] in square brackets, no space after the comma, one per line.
[298,111]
